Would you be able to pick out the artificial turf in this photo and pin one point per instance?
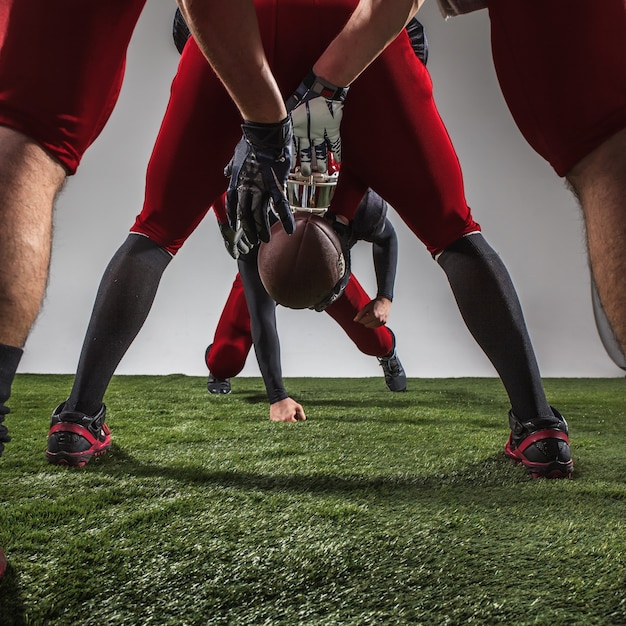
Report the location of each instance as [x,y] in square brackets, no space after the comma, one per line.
[382,508]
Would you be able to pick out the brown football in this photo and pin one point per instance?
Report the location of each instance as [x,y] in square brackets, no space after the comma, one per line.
[300,270]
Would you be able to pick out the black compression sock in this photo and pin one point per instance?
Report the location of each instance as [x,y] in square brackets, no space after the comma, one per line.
[489,305]
[9,360]
[124,299]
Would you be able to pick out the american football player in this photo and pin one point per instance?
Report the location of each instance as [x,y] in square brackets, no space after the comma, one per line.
[227,354]
[543,53]
[388,109]
[58,88]
[362,319]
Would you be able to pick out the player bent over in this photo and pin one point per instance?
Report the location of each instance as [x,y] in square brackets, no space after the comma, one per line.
[389,110]
[362,319]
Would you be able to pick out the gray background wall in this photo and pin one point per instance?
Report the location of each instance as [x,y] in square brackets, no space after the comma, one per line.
[524,209]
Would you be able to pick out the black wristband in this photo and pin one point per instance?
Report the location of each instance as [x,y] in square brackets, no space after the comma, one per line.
[323,88]
[269,136]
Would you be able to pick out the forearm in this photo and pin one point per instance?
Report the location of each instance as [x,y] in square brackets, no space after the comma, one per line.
[385,253]
[263,326]
[227,32]
[373,25]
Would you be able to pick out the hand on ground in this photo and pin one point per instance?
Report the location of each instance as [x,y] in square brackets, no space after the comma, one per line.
[287,410]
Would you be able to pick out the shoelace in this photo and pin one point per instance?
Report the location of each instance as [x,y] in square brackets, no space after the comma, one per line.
[390,364]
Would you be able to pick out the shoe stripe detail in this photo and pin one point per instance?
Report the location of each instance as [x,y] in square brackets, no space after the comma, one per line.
[542,435]
[77,429]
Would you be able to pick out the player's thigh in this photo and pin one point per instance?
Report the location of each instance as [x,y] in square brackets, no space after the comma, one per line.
[395,141]
[62,65]
[196,140]
[561,65]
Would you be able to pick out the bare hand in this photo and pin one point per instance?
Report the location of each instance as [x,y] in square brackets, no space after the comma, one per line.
[375,313]
[287,410]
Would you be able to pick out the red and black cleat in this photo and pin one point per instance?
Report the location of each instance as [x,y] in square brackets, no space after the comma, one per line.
[74,438]
[541,446]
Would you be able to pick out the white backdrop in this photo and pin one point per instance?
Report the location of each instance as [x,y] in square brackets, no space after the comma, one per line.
[524,209]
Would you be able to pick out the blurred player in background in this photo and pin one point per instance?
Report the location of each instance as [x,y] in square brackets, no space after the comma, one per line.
[249,317]
[226,356]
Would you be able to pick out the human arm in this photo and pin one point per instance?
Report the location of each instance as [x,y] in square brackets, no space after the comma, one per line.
[385,253]
[317,104]
[228,34]
[266,343]
[373,25]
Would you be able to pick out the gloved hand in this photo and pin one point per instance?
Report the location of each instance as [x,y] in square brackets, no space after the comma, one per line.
[258,173]
[235,241]
[316,110]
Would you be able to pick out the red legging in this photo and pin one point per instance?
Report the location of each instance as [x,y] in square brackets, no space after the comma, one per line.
[233,339]
[60,82]
[393,138]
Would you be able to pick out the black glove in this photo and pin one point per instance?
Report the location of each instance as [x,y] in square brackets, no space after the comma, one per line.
[4,431]
[258,173]
[316,108]
[236,242]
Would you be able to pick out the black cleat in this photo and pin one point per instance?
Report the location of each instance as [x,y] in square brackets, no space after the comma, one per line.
[217,385]
[541,446]
[220,386]
[395,376]
[75,437]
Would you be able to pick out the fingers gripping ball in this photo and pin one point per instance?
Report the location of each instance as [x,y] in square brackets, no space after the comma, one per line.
[300,270]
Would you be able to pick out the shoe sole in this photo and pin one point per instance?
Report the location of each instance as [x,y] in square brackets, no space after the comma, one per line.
[218,392]
[69,459]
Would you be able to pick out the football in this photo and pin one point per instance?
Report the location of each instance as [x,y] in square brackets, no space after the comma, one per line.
[300,270]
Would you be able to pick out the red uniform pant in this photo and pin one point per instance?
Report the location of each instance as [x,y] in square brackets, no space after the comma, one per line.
[562,69]
[61,69]
[393,138]
[233,338]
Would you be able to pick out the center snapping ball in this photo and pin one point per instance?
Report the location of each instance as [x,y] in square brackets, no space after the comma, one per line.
[300,270]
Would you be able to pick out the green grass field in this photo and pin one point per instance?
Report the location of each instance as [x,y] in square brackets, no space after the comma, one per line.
[380,509]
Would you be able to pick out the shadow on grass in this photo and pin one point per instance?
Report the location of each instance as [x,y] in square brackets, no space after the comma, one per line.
[419,400]
[469,483]
[12,611]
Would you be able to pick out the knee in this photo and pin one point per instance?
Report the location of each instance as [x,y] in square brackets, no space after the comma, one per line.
[607,161]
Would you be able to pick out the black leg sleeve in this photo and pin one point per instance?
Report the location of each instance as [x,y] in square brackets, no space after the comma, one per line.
[262,311]
[490,307]
[124,299]
[9,360]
